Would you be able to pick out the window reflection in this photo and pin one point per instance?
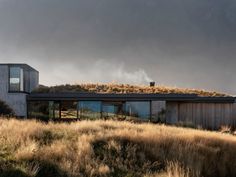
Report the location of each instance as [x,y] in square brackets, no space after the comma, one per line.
[113,110]
[131,110]
[90,109]
[137,110]
[54,109]
[38,109]
[16,83]
[68,109]
[158,111]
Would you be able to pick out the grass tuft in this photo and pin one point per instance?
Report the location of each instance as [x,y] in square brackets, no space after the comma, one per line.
[110,148]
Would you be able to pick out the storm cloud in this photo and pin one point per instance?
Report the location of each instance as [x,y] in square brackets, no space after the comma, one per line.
[183,43]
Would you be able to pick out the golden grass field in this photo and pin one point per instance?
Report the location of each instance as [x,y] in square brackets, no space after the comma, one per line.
[126,88]
[111,148]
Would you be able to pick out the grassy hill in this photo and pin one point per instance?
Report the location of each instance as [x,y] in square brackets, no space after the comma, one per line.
[109,148]
[124,88]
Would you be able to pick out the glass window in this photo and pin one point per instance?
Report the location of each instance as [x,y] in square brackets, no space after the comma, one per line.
[158,111]
[89,109]
[69,109]
[137,110]
[16,83]
[38,109]
[113,110]
[51,110]
[54,109]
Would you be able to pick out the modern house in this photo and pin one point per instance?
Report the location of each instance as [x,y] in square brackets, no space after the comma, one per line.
[18,80]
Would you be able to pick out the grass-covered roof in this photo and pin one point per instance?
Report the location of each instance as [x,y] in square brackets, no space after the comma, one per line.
[124,88]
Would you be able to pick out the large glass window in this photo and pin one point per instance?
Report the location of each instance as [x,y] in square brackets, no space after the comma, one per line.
[69,109]
[137,110]
[51,110]
[16,79]
[54,109]
[113,110]
[158,111]
[38,109]
[89,109]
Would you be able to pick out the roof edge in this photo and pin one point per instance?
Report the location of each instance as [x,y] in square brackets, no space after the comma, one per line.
[19,64]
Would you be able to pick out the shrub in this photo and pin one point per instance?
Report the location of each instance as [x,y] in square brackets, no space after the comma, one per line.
[5,109]
[225,129]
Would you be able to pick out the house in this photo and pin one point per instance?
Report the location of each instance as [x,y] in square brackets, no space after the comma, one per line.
[18,80]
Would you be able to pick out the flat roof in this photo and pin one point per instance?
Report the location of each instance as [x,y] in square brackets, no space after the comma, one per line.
[24,65]
[126,97]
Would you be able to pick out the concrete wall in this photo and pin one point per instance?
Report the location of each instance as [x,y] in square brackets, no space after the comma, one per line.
[17,101]
[34,80]
[31,80]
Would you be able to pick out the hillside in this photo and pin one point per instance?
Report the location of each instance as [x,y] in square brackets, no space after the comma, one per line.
[124,88]
[116,149]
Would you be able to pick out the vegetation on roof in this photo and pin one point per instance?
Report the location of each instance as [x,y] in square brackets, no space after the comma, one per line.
[124,88]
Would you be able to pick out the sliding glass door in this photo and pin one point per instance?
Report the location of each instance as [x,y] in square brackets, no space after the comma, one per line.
[138,110]
[69,110]
[89,110]
[113,110]
[93,110]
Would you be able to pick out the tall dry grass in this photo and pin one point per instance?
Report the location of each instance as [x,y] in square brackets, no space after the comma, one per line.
[109,148]
[125,88]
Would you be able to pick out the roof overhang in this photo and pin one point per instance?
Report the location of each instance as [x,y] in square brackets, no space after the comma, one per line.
[22,65]
[127,97]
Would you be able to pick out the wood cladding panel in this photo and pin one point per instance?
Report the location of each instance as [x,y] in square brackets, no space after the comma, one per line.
[172,112]
[205,115]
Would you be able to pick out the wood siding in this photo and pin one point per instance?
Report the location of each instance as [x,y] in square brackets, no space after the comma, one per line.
[205,115]
[172,112]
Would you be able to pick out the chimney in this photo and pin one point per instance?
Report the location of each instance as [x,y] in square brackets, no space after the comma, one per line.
[152,84]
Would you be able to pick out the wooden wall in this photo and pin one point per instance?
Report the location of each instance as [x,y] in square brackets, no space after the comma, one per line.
[205,115]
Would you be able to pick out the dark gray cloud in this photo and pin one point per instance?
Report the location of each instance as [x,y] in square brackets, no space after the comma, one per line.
[184,43]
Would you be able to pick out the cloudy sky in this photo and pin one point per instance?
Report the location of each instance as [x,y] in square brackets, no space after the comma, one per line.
[182,43]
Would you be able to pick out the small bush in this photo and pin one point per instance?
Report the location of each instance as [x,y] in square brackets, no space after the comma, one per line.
[174,169]
[5,109]
[225,129]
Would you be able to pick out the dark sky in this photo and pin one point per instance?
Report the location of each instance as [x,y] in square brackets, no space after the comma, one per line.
[182,43]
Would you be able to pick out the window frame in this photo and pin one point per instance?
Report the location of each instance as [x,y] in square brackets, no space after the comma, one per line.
[81,109]
[115,104]
[20,80]
[63,104]
[140,101]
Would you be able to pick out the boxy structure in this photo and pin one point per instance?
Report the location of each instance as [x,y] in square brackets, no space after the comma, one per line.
[18,80]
